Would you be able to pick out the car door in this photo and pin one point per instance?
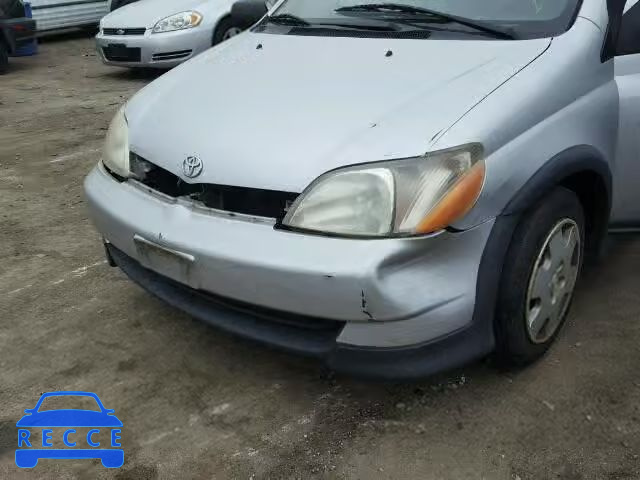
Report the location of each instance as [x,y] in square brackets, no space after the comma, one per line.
[626,181]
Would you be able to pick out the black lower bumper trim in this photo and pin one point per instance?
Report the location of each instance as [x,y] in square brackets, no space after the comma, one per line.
[414,362]
[309,340]
[387,364]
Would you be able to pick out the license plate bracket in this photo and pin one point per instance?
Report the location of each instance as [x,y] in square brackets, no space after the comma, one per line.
[164,260]
[121,52]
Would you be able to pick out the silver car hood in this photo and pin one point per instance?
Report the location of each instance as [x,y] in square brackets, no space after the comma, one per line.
[276,111]
[146,13]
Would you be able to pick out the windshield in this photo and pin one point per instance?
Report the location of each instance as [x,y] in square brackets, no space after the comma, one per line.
[510,18]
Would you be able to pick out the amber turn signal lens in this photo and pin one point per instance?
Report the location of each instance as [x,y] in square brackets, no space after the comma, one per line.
[457,202]
[196,18]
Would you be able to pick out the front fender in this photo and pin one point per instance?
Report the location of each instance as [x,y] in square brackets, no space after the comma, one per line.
[557,116]
[573,160]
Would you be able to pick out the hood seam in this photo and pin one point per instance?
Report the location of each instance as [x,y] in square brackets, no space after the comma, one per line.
[444,131]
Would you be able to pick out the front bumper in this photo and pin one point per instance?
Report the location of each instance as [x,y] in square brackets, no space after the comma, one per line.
[312,337]
[392,308]
[161,50]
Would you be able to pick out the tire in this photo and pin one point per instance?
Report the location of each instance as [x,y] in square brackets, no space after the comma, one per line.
[91,29]
[115,4]
[4,58]
[223,29]
[527,319]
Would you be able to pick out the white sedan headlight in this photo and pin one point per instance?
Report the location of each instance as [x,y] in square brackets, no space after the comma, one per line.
[116,145]
[395,198]
[178,21]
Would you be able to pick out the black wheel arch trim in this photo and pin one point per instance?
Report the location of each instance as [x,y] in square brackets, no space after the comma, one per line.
[574,160]
[560,168]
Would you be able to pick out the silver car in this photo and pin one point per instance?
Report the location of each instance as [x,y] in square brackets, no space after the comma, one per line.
[163,33]
[407,187]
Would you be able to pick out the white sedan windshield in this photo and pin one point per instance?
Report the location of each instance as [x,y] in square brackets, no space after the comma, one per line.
[547,17]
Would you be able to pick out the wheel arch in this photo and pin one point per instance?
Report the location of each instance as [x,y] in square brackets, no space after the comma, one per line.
[578,168]
[222,18]
[583,170]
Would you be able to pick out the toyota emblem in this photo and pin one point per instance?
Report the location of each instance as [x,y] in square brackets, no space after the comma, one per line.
[192,167]
[120,31]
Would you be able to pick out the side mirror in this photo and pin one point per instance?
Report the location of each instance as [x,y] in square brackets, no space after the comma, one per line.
[245,13]
[29,410]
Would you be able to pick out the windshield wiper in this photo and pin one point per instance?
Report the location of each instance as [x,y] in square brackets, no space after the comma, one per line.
[420,11]
[288,19]
[361,24]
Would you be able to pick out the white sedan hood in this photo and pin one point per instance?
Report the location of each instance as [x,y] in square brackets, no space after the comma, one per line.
[276,111]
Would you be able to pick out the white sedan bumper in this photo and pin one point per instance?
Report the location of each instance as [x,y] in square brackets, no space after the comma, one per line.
[159,50]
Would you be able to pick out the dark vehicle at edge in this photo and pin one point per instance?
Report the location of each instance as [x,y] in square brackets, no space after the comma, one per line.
[16,30]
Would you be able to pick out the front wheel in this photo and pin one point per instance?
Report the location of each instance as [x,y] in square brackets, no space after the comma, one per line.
[225,30]
[541,269]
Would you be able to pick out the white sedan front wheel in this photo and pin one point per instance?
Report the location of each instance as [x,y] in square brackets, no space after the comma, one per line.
[225,30]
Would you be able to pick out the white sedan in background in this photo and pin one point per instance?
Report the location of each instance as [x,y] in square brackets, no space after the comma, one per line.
[163,33]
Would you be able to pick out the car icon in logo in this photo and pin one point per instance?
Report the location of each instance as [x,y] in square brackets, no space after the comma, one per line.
[192,166]
[66,422]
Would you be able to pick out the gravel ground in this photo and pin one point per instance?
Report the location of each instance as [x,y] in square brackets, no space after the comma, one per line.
[198,404]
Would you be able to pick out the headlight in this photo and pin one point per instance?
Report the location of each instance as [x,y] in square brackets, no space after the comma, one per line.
[395,198]
[178,21]
[116,145]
